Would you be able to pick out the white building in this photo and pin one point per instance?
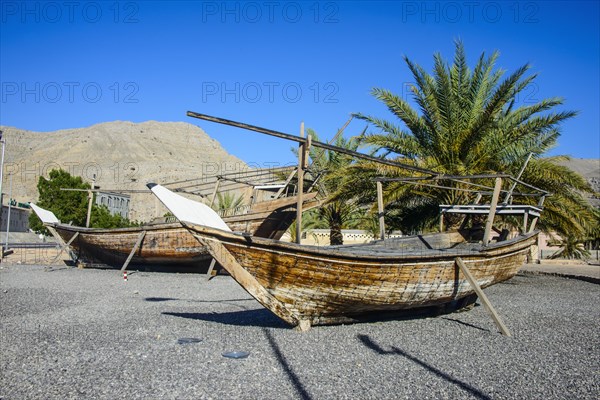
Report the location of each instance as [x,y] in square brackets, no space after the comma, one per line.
[19,219]
[117,203]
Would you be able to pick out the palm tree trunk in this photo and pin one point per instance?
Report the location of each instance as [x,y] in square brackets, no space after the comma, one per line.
[335,231]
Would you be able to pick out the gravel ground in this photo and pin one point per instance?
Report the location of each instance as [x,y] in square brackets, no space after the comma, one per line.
[73,334]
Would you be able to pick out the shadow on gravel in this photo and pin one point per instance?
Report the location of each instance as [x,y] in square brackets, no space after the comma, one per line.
[466,324]
[367,341]
[259,318]
[53,269]
[159,299]
[228,301]
[286,366]
[511,282]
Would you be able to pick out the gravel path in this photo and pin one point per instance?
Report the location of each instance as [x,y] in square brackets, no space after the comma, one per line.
[74,334]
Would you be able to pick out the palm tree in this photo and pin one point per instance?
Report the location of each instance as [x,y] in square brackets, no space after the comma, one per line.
[571,247]
[310,220]
[337,214]
[593,236]
[467,122]
[228,201]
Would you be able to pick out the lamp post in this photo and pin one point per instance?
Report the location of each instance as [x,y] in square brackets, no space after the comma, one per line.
[3,141]
[8,217]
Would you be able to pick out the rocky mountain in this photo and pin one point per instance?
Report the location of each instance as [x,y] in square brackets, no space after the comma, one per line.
[125,156]
[589,168]
[122,155]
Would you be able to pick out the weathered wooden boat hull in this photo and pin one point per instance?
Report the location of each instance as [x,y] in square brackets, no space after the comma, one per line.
[172,245]
[163,245]
[308,285]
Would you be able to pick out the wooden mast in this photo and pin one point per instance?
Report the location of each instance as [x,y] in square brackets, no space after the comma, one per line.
[380,210]
[301,165]
[492,213]
[315,143]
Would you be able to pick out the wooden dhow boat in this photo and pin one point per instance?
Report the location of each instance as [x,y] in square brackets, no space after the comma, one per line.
[308,285]
[168,244]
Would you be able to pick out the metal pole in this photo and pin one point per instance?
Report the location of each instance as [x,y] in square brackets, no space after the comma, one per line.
[8,217]
[3,141]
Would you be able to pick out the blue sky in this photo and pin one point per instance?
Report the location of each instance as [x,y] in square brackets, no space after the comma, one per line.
[277,63]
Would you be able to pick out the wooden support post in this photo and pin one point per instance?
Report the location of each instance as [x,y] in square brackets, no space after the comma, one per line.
[441,222]
[249,282]
[490,220]
[210,269]
[212,199]
[53,232]
[483,297]
[65,246]
[535,219]
[380,210]
[135,247]
[301,160]
[525,220]
[507,199]
[285,185]
[90,201]
[465,221]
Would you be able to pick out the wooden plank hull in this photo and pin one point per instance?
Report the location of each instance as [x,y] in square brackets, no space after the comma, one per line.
[172,245]
[164,245]
[309,285]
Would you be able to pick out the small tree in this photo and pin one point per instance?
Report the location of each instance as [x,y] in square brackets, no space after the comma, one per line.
[71,206]
[68,206]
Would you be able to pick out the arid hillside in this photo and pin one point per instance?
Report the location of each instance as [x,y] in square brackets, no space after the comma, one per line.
[122,155]
[125,155]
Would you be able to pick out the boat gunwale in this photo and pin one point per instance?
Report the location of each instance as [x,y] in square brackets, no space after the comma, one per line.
[109,231]
[340,252]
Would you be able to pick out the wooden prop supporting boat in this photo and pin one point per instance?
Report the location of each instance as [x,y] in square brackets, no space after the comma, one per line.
[307,285]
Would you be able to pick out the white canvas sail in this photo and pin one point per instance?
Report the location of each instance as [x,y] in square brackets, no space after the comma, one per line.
[46,216]
[187,210]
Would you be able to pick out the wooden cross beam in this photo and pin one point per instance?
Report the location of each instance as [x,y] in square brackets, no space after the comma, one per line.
[64,245]
[135,247]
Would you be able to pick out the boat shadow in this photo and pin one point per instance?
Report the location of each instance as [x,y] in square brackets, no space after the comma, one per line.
[161,299]
[393,350]
[266,319]
[261,318]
